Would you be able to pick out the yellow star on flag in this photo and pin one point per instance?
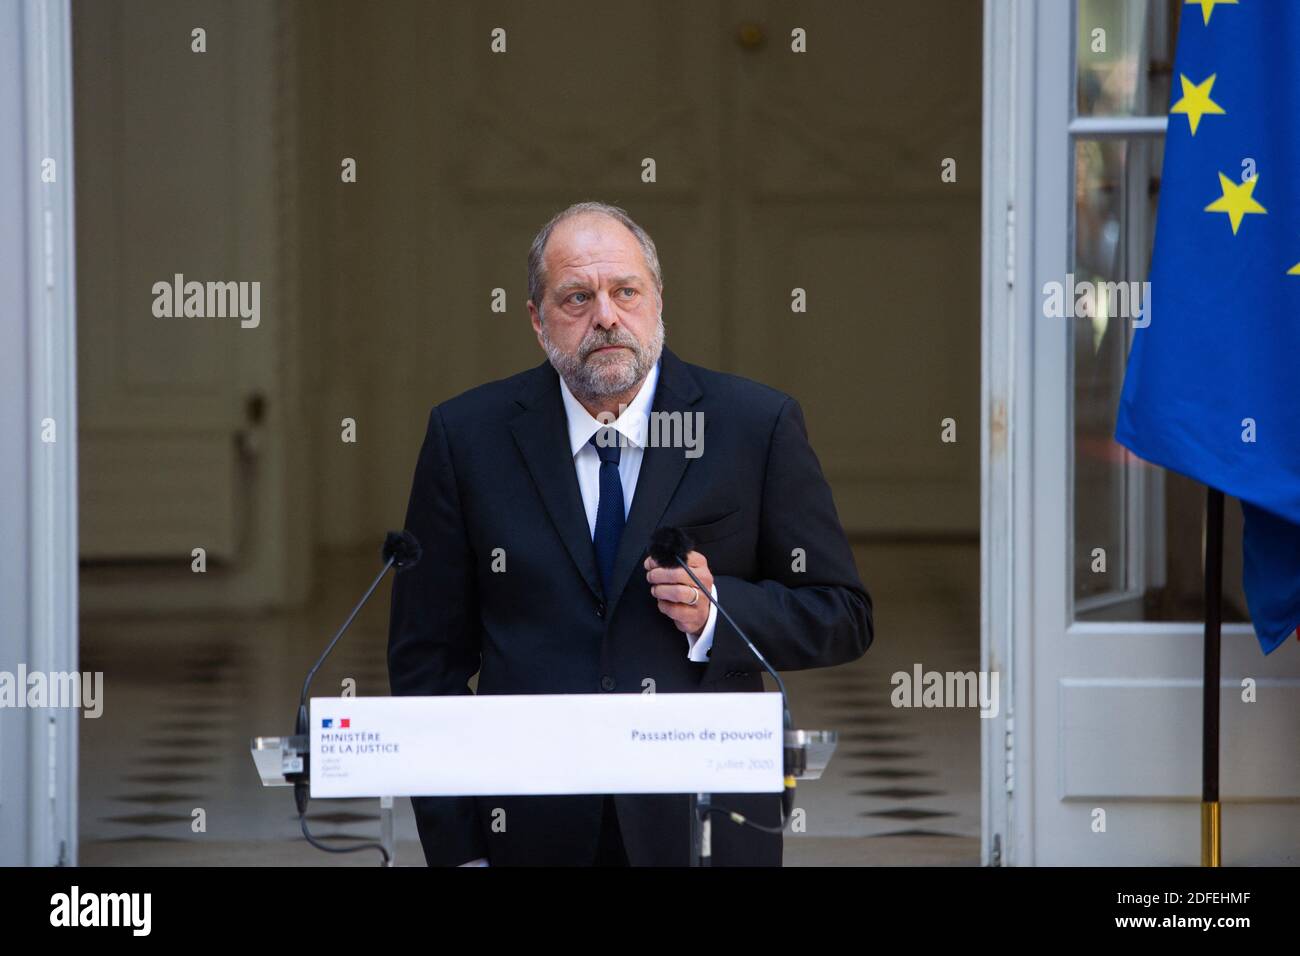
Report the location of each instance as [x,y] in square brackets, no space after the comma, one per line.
[1236,200]
[1196,101]
[1294,270]
[1207,7]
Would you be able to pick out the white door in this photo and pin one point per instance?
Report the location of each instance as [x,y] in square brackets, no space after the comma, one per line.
[184,420]
[1093,559]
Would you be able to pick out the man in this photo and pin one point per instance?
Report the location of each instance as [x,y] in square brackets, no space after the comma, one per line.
[561,473]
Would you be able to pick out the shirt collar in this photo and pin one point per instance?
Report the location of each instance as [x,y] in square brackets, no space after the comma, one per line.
[633,424]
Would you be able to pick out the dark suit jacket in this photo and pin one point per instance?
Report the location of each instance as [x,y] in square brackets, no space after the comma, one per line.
[495,471]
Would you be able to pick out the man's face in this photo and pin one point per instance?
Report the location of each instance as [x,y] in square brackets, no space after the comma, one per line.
[603,330]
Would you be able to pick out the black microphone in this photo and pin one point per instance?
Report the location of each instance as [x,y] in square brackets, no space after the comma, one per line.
[401,551]
[669,546]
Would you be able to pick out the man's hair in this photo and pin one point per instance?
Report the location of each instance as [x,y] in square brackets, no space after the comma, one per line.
[537,270]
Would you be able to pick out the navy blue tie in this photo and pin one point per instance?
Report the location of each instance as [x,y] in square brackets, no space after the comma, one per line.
[609,512]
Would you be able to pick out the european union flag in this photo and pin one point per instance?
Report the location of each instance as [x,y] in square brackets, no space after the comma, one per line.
[1213,382]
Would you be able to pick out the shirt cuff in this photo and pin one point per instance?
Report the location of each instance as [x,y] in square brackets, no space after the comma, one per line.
[481,861]
[697,648]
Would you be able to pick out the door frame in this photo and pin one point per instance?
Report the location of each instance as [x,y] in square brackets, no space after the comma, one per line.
[38,513]
[1006,386]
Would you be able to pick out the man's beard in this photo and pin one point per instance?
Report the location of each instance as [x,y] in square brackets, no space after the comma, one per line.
[592,377]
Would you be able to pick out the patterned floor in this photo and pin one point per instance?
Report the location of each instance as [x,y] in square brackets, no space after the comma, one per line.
[909,775]
[183,697]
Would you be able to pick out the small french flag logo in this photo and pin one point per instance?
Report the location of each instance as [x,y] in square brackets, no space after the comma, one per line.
[329,722]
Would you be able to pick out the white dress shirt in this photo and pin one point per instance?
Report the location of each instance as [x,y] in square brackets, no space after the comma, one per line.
[633,426]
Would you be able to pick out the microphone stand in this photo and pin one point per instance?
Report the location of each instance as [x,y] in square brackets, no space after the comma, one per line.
[701,821]
[402,551]
[300,726]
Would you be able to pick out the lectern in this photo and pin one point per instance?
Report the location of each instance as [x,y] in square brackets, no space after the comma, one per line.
[698,744]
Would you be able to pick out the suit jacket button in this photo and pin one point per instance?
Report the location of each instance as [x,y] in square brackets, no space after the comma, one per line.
[607,683]
[600,609]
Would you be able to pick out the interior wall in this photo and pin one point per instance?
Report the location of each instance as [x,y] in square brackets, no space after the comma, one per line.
[775,170]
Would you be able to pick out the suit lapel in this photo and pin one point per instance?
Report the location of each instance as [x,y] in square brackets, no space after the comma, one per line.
[661,471]
[542,434]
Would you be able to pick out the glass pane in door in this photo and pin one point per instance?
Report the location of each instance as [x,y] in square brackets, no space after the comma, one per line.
[1124,53]
[1137,544]
[1115,189]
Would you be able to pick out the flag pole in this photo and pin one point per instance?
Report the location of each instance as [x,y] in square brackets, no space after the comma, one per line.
[1211,833]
